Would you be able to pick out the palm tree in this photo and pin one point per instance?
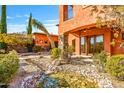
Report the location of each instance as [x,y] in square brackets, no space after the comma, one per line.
[3,25]
[29,32]
[29,28]
[40,26]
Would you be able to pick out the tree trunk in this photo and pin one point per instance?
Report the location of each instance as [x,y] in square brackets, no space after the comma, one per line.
[63,44]
[51,41]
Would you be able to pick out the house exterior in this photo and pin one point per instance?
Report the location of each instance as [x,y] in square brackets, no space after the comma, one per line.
[78,28]
[42,39]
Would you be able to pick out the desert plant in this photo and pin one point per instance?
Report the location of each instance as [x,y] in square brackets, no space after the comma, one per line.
[37,49]
[72,80]
[9,64]
[100,60]
[70,51]
[115,66]
[55,53]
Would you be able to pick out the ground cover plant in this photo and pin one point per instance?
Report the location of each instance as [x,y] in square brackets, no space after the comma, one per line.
[72,80]
[65,80]
[55,53]
[115,66]
[9,64]
[100,60]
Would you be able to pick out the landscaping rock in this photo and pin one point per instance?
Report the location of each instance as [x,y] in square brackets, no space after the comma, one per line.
[88,70]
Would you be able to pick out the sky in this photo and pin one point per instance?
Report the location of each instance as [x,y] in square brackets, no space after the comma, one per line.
[18,15]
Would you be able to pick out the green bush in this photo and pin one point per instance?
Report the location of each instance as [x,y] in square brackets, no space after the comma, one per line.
[55,52]
[70,50]
[115,66]
[72,80]
[37,49]
[9,64]
[100,60]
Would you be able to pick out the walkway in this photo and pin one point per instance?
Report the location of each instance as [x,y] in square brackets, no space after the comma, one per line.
[34,63]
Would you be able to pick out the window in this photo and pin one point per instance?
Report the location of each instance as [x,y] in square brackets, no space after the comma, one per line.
[122,36]
[67,12]
[70,11]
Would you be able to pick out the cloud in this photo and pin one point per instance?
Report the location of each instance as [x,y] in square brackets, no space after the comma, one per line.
[26,20]
[26,15]
[49,25]
[53,29]
[55,20]
[9,17]
[20,16]
[14,28]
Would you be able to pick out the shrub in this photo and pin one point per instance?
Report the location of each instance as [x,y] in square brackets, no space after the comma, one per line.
[100,59]
[70,50]
[9,64]
[99,47]
[115,66]
[72,80]
[55,52]
[37,48]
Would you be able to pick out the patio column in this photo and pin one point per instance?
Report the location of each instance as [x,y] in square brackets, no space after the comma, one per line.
[78,45]
[87,45]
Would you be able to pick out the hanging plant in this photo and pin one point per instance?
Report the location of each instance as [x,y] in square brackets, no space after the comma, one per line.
[113,43]
[116,35]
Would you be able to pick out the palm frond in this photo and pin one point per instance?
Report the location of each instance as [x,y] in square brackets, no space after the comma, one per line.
[40,26]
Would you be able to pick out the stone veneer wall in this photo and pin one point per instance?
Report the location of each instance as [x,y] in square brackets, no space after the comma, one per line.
[18,48]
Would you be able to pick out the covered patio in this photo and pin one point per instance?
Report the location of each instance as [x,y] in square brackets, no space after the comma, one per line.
[88,41]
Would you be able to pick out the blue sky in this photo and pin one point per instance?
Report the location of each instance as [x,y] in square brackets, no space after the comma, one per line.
[17,17]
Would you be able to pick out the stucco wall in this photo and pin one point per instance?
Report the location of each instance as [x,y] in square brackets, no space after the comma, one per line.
[41,38]
[105,32]
[82,17]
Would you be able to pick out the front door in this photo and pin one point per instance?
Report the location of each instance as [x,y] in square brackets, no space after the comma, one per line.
[92,44]
[96,44]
